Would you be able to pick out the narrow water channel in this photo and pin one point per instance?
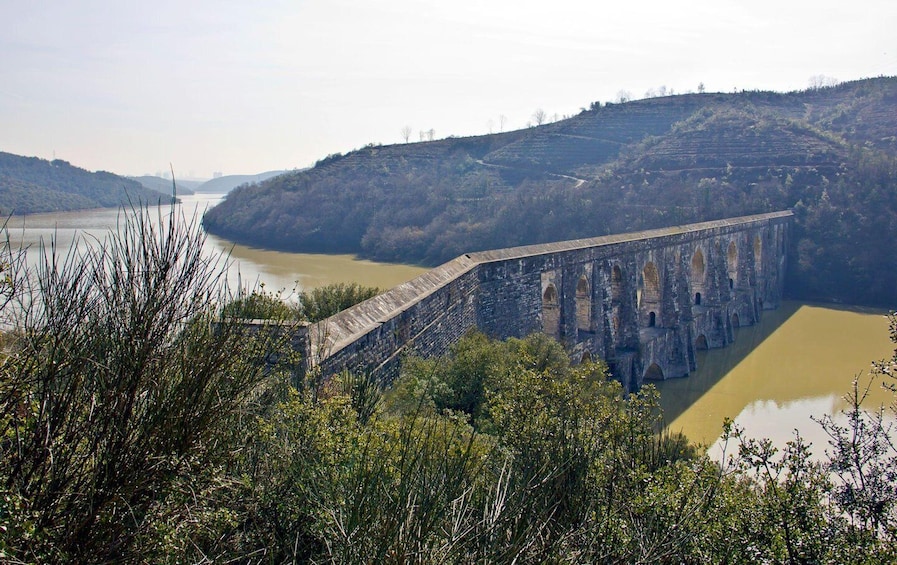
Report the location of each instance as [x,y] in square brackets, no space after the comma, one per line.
[249,267]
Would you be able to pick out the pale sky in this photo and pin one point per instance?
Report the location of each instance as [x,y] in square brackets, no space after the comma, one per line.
[242,87]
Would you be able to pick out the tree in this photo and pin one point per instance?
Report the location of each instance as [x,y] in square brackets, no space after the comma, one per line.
[817,82]
[539,116]
[406,133]
[623,96]
[502,120]
[658,92]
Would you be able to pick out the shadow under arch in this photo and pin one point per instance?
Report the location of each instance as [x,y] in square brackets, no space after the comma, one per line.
[677,395]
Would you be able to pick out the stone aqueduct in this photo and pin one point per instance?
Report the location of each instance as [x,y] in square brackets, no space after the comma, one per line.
[643,301]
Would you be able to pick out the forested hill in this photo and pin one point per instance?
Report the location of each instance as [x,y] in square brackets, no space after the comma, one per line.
[30,185]
[829,153]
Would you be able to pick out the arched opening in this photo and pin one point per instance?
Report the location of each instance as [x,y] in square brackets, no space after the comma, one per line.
[650,296]
[583,305]
[616,284]
[651,281]
[732,263]
[551,312]
[697,270]
[654,373]
[697,299]
[701,342]
[735,321]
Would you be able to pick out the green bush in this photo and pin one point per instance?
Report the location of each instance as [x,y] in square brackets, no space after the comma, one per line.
[118,387]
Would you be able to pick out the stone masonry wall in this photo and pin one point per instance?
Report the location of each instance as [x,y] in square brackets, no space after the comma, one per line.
[643,301]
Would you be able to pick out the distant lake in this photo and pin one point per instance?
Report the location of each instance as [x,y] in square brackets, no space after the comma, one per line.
[248,266]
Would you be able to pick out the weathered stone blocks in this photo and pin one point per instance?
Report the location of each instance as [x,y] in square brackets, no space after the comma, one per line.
[644,301]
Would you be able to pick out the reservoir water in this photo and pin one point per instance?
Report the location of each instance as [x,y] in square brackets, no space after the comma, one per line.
[248,266]
[799,361]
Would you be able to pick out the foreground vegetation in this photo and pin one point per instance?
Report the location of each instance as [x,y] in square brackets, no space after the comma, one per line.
[138,425]
[830,153]
[311,305]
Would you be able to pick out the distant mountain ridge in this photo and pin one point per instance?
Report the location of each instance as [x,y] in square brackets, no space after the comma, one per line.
[612,168]
[163,185]
[31,185]
[229,182]
[218,185]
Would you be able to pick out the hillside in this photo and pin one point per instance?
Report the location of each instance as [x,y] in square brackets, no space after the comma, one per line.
[31,185]
[829,153]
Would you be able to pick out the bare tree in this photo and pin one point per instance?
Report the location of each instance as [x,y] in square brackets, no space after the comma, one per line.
[623,96]
[406,133]
[431,134]
[821,81]
[658,92]
[539,116]
[502,120]
[490,123]
[700,88]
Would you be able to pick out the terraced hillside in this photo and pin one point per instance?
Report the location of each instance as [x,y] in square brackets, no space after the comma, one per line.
[738,139]
[613,168]
[596,136]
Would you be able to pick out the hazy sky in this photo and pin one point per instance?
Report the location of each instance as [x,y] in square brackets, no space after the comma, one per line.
[244,87]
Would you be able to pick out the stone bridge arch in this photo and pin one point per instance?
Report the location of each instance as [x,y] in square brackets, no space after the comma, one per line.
[732,264]
[623,299]
[551,311]
[584,305]
[651,296]
[697,275]
[653,373]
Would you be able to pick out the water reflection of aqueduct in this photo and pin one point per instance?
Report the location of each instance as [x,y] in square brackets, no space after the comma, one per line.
[643,301]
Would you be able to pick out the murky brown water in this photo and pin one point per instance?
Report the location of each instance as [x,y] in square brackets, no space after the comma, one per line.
[799,361]
[276,270]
